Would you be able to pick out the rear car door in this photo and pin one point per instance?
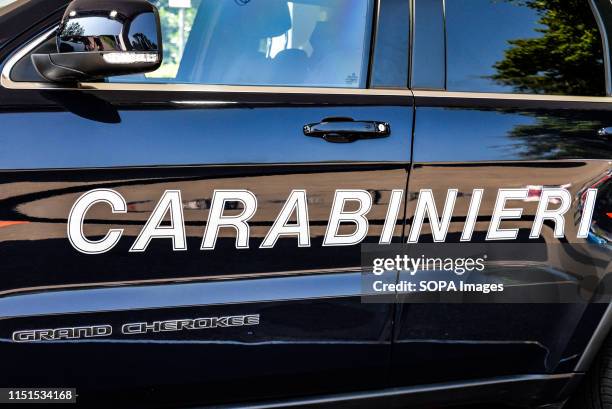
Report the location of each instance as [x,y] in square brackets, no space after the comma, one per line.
[495,111]
[226,111]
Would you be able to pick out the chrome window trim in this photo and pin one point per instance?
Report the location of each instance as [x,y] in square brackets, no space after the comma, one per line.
[508,96]
[7,82]
[5,75]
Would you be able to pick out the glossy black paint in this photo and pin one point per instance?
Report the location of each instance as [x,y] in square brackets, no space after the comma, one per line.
[510,134]
[89,26]
[60,144]
[301,347]
[91,32]
[469,143]
[189,129]
[141,144]
[142,188]
[184,142]
[21,17]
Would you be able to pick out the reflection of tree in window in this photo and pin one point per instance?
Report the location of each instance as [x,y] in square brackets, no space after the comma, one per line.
[74,33]
[73,29]
[140,42]
[170,26]
[562,135]
[567,57]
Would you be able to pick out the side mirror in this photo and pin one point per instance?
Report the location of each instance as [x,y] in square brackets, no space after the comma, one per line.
[102,38]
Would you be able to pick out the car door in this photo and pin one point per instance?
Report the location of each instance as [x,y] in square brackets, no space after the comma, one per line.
[227,111]
[495,112]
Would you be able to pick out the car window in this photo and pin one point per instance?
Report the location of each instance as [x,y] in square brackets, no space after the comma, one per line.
[4,3]
[524,46]
[263,42]
[427,45]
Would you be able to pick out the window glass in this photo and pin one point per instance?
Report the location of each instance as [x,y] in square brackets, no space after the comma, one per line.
[428,69]
[524,46]
[4,3]
[263,42]
[390,61]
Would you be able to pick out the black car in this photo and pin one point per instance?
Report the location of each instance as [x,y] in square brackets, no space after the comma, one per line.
[190,191]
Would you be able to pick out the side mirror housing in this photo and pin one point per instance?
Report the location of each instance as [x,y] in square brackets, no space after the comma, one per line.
[103,38]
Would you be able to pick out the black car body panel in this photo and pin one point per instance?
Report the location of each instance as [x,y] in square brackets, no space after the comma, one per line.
[281,165]
[483,143]
[316,342]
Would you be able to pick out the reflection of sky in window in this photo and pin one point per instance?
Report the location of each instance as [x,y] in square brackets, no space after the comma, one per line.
[4,3]
[144,24]
[477,35]
[94,26]
[195,136]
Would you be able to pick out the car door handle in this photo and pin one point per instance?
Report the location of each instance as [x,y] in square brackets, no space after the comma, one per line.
[343,130]
[605,131]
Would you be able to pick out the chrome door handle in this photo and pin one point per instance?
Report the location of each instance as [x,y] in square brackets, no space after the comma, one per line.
[347,130]
[607,131]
